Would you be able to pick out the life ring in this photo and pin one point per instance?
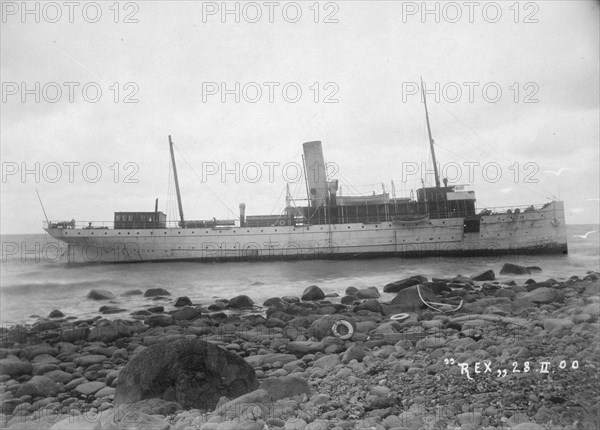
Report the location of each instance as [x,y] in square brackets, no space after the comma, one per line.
[399,317]
[281,222]
[336,333]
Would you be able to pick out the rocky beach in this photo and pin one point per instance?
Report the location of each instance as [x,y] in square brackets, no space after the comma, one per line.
[462,352]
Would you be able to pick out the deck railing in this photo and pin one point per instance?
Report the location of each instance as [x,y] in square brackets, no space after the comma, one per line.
[382,217]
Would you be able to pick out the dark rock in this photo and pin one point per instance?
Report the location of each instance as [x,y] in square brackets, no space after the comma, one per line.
[460,279]
[534,268]
[505,292]
[313,293]
[437,287]
[408,299]
[535,285]
[39,386]
[153,292]
[355,352]
[529,281]
[351,291]
[368,293]
[110,310]
[183,301]
[75,334]
[89,388]
[275,302]
[110,331]
[191,372]
[321,327]
[544,295]
[488,275]
[56,314]
[158,320]
[156,309]
[279,315]
[284,387]
[186,314]
[32,351]
[218,306]
[15,368]
[514,269]
[303,347]
[59,376]
[397,286]
[347,300]
[290,299]
[371,305]
[241,301]
[100,295]
[141,312]
[132,293]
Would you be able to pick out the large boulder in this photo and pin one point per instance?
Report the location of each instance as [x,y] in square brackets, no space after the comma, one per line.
[488,275]
[514,269]
[191,372]
[408,299]
[313,293]
[368,293]
[400,285]
[153,292]
[183,301]
[101,295]
[240,302]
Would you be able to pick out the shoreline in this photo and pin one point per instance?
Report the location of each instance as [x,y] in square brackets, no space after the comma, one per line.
[431,369]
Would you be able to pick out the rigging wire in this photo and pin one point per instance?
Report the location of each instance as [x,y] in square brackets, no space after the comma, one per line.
[205,184]
[489,149]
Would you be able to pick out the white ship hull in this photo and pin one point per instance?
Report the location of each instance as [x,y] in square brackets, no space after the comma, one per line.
[535,232]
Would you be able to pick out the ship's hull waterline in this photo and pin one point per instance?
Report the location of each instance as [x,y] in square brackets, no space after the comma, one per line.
[535,232]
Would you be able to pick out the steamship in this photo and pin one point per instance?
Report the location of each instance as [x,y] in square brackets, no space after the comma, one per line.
[441,221]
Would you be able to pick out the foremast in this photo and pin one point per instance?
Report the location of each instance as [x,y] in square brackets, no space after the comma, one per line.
[435,171]
[179,204]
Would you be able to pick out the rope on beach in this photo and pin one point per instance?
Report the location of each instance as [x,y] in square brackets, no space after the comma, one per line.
[443,306]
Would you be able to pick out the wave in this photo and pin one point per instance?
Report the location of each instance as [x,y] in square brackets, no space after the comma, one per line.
[38,287]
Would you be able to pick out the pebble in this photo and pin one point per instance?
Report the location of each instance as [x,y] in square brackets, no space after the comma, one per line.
[398,375]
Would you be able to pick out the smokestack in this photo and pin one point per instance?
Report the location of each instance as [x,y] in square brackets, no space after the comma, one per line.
[333,187]
[315,173]
[242,214]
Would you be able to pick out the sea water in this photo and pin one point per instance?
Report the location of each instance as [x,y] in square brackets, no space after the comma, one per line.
[32,285]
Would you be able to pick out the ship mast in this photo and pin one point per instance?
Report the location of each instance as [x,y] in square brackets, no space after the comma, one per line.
[437,177]
[176,183]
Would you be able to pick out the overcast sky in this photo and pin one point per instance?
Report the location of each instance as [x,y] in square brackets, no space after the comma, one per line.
[512,94]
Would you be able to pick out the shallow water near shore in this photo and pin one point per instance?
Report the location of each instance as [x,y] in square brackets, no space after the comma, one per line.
[32,287]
